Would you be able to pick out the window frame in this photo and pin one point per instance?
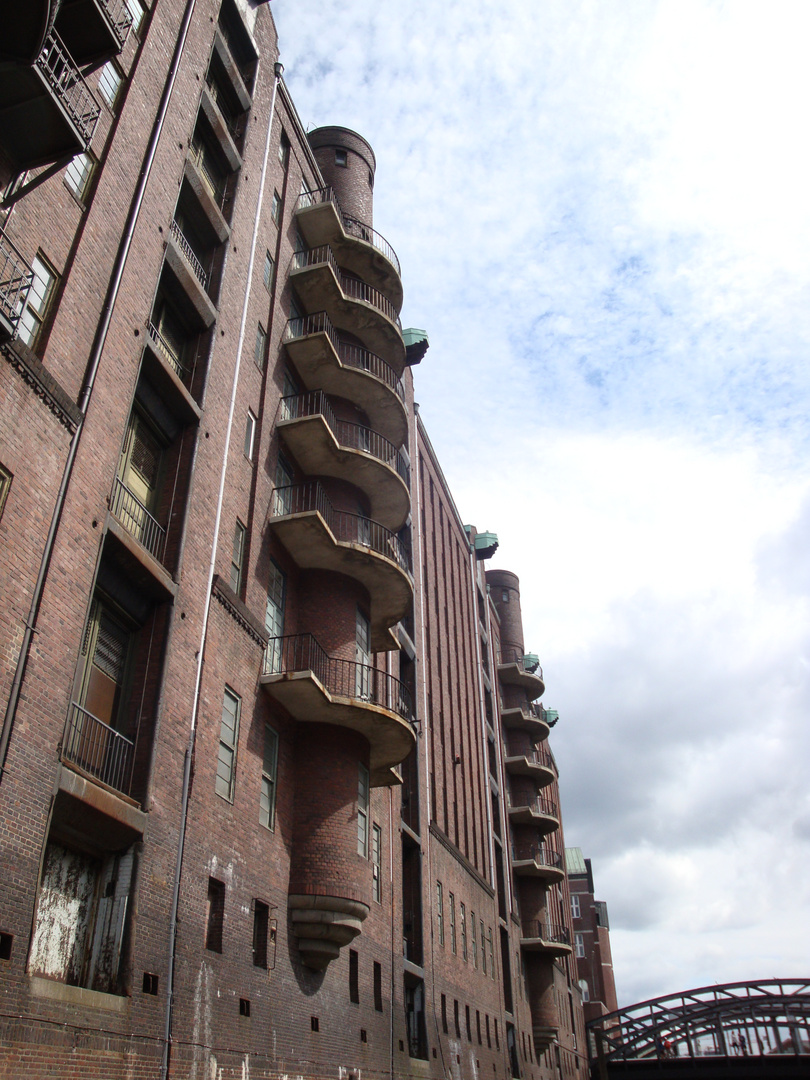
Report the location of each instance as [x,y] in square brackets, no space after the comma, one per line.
[575,908]
[6,478]
[579,946]
[250,434]
[238,557]
[39,312]
[376,862]
[260,347]
[84,174]
[110,99]
[440,911]
[363,809]
[269,271]
[275,207]
[231,747]
[269,782]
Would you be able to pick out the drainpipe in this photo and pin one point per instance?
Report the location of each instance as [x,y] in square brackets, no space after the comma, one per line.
[89,382]
[278,70]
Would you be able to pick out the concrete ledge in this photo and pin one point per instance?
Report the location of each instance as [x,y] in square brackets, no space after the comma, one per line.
[76,995]
[118,807]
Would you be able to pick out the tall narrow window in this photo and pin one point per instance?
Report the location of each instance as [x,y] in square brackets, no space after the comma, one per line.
[215,915]
[362,655]
[378,1002]
[78,174]
[140,469]
[362,811]
[283,151]
[440,911]
[109,84]
[267,798]
[579,945]
[269,271]
[483,948]
[283,495]
[260,347]
[228,736]
[444,1014]
[376,861]
[463,922]
[474,940]
[5,486]
[250,435]
[261,926]
[275,207]
[274,617]
[137,12]
[491,956]
[453,924]
[237,557]
[107,647]
[468,1024]
[575,906]
[354,977]
[39,299]
[456,1019]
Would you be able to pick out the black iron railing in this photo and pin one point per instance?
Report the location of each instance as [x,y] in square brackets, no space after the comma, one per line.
[188,254]
[346,528]
[534,757]
[537,853]
[342,678]
[350,286]
[136,519]
[167,350]
[354,356]
[97,749]
[120,18]
[555,933]
[220,100]
[16,277]
[526,661]
[211,176]
[351,225]
[536,803]
[351,436]
[67,83]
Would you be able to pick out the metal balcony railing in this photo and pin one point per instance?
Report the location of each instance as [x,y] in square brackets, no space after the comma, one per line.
[537,853]
[351,436]
[212,177]
[188,254]
[243,66]
[354,356]
[546,931]
[16,277]
[167,350]
[527,661]
[69,86]
[136,519]
[225,111]
[97,749]
[120,18]
[344,678]
[536,803]
[534,757]
[346,528]
[350,286]
[350,225]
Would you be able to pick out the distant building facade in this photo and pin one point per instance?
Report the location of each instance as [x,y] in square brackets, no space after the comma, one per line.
[276,788]
[591,938]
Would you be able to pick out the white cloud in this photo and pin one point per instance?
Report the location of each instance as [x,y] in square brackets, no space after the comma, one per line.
[602,218]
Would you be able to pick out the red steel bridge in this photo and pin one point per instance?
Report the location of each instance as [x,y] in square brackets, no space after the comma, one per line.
[757,1029]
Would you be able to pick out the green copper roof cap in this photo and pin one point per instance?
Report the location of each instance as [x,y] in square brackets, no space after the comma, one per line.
[574,861]
[416,344]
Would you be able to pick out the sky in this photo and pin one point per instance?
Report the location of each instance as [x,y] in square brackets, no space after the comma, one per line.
[602,211]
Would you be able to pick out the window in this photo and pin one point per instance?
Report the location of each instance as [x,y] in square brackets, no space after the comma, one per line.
[106,650]
[456,1019]
[376,860]
[354,977]
[138,14]
[275,207]
[583,989]
[453,924]
[469,1025]
[109,83]
[491,956]
[237,557]
[362,811]
[497,1036]
[463,921]
[269,271]
[474,940]
[378,1000]
[261,927]
[489,1036]
[478,1025]
[228,736]
[283,495]
[440,911]
[250,435]
[444,1014]
[78,173]
[483,948]
[283,151]
[215,915]
[341,158]
[139,479]
[5,486]
[274,617]
[575,906]
[579,945]
[260,348]
[362,656]
[39,299]
[267,798]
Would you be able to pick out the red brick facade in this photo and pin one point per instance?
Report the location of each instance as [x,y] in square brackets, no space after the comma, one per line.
[273,771]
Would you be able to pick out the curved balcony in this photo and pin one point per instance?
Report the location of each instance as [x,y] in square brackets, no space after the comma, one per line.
[353,305]
[324,359]
[320,537]
[317,688]
[533,810]
[534,763]
[357,246]
[522,670]
[325,446]
[537,862]
[529,718]
[93,31]
[553,939]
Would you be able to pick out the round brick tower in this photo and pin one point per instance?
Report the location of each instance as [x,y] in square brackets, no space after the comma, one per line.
[505,592]
[348,165]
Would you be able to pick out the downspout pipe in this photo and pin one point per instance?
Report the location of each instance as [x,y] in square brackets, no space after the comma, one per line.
[189,756]
[90,378]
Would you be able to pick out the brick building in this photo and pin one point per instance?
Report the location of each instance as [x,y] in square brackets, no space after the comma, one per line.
[591,938]
[275,783]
